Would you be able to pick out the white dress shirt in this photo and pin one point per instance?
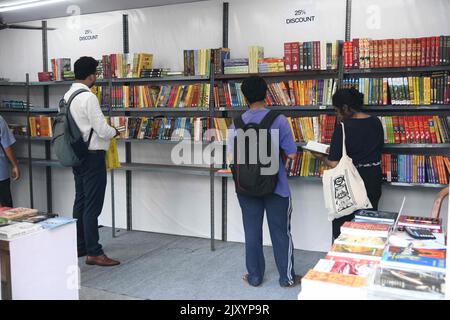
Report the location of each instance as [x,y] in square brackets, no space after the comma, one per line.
[88,115]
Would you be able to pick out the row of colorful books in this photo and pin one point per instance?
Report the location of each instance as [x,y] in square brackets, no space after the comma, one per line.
[62,69]
[415,168]
[14,104]
[197,62]
[305,165]
[319,129]
[427,90]
[366,53]
[167,96]
[195,129]
[125,65]
[314,55]
[416,129]
[291,93]
[376,257]
[17,222]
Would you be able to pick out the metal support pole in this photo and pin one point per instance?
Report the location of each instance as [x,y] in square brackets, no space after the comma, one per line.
[30,159]
[128,175]
[225,31]
[113,199]
[348,26]
[212,175]
[48,154]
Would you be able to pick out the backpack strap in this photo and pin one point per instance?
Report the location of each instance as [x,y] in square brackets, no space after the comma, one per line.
[239,123]
[69,115]
[269,119]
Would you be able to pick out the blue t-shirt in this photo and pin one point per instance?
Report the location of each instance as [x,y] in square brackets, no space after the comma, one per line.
[7,140]
[286,143]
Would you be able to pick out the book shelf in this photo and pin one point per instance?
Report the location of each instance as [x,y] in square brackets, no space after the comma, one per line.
[129,167]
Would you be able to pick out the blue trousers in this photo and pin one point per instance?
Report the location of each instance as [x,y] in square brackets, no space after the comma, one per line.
[278,210]
[90,187]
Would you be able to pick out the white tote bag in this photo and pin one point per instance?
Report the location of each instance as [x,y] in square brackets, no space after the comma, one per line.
[343,187]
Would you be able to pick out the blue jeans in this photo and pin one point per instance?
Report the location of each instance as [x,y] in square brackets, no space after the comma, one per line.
[278,210]
[90,187]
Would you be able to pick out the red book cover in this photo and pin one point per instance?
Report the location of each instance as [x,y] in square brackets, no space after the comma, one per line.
[426,129]
[295,56]
[432,51]
[347,55]
[355,55]
[375,54]
[428,52]
[407,129]
[402,129]
[437,51]
[397,52]
[409,51]
[390,52]
[414,53]
[288,56]
[316,56]
[421,137]
[403,48]
[423,52]
[367,226]
[380,54]
[385,63]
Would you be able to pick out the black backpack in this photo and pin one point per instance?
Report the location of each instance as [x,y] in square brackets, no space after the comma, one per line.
[247,177]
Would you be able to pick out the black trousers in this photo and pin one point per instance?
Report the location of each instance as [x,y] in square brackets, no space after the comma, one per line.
[373,179]
[90,186]
[5,193]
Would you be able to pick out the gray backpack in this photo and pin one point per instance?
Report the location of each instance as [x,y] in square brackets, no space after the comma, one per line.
[67,141]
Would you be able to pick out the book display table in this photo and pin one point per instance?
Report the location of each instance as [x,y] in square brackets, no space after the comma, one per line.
[40,266]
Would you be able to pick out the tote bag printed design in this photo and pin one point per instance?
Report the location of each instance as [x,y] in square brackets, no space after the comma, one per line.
[343,188]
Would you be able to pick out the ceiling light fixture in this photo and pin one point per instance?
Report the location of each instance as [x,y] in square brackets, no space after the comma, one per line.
[26,4]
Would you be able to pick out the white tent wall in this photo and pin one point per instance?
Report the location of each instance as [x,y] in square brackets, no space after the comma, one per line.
[179,204]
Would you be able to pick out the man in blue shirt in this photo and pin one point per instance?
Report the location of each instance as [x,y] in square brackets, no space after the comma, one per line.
[278,206]
[7,156]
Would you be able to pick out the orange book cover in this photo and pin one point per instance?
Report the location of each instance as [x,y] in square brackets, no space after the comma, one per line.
[371,53]
[45,126]
[397,62]
[366,226]
[38,126]
[336,278]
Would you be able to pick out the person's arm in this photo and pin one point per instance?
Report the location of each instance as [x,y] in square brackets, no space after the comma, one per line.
[335,155]
[98,120]
[14,165]
[287,142]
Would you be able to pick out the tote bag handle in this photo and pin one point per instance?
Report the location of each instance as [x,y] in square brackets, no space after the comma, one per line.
[344,149]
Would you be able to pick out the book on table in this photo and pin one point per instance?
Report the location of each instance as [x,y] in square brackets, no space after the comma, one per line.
[376,216]
[357,252]
[409,258]
[366,229]
[17,213]
[363,241]
[18,229]
[55,222]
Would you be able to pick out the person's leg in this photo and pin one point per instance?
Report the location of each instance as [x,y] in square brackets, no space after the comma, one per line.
[78,208]
[279,211]
[94,181]
[252,217]
[5,193]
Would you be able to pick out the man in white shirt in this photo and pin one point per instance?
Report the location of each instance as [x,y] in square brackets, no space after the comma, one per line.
[90,176]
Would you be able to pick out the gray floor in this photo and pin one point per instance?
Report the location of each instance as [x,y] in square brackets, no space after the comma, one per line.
[160,267]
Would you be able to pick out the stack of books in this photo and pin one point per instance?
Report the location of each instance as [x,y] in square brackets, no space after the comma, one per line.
[415,168]
[347,269]
[315,55]
[412,268]
[416,129]
[126,65]
[394,53]
[152,73]
[14,104]
[255,54]
[236,66]
[270,65]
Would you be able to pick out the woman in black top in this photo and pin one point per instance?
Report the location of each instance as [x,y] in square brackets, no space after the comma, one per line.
[364,142]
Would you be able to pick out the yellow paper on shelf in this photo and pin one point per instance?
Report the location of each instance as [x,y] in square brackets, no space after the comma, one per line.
[112,156]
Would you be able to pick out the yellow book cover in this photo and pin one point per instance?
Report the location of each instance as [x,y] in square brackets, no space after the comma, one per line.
[427,89]
[289,119]
[438,127]
[411,90]
[33,126]
[336,278]
[178,95]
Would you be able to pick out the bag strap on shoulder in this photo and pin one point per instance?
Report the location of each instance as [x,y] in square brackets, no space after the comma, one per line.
[239,123]
[344,148]
[69,115]
[269,119]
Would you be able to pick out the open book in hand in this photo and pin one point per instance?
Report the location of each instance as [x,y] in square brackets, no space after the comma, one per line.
[317,147]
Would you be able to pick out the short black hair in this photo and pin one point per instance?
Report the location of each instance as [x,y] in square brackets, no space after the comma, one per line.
[350,97]
[84,67]
[254,89]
